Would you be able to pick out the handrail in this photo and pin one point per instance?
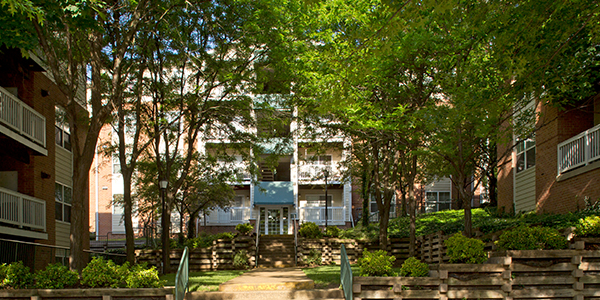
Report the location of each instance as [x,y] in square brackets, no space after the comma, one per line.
[346,274]
[22,118]
[257,236]
[295,241]
[182,276]
[22,210]
[579,150]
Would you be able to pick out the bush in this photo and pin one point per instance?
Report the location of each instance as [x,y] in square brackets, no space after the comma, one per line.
[462,249]
[206,240]
[100,273]
[140,276]
[17,276]
[314,258]
[310,230]
[333,231]
[588,227]
[531,238]
[244,228]
[55,276]
[413,267]
[241,260]
[376,263]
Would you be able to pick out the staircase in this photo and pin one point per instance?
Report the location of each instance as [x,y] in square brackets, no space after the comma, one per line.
[266,174]
[276,251]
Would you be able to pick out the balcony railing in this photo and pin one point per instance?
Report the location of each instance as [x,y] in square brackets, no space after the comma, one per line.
[22,210]
[21,118]
[232,215]
[579,150]
[317,214]
[313,172]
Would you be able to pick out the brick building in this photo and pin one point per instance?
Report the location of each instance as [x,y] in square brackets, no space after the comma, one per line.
[553,171]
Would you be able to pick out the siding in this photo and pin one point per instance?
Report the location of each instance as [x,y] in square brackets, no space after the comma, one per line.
[442,185]
[64,166]
[63,232]
[525,191]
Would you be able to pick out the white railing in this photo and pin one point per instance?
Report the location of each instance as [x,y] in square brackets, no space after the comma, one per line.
[22,118]
[317,214]
[314,172]
[231,215]
[579,150]
[22,210]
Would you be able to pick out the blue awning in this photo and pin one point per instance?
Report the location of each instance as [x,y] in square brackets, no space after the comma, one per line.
[274,193]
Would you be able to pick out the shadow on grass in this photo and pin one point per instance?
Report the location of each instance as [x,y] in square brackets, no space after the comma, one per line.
[205,280]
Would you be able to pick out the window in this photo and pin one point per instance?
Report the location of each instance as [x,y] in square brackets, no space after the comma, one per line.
[238,201]
[116,165]
[324,160]
[437,201]
[63,196]
[525,154]
[62,137]
[318,200]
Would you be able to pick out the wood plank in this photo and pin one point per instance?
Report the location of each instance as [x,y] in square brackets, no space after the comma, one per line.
[472,268]
[543,280]
[479,281]
[542,293]
[590,279]
[568,267]
[470,294]
[420,294]
[379,294]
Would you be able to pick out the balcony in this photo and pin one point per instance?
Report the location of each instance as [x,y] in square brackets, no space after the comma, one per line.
[231,215]
[22,210]
[21,118]
[335,215]
[579,150]
[314,173]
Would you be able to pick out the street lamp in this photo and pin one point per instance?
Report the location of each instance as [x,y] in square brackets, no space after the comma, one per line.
[164,237]
[326,173]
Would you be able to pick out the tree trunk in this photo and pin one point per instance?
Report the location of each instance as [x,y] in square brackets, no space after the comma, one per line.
[79,234]
[128,212]
[413,220]
[166,245]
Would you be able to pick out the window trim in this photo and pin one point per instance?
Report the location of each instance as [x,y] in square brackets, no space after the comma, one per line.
[528,145]
[62,202]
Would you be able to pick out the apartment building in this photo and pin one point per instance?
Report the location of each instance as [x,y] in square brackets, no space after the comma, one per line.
[36,165]
[557,168]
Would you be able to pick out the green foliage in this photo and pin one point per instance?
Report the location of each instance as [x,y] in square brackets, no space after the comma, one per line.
[3,270]
[360,232]
[101,273]
[588,227]
[241,260]
[244,228]
[140,276]
[310,230]
[314,258]
[531,238]
[206,240]
[376,263]
[462,249]
[55,276]
[333,231]
[412,267]
[17,276]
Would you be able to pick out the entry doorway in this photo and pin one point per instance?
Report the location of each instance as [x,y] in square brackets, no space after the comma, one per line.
[274,220]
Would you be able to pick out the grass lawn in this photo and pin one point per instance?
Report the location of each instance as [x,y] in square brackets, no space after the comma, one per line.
[205,281]
[327,276]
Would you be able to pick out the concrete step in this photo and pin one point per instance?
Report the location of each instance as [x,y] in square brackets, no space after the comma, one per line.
[269,295]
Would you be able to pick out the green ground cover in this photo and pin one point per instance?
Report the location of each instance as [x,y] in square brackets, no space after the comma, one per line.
[327,276]
[205,281]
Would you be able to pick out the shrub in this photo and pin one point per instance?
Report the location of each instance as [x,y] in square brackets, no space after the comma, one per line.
[531,238]
[3,270]
[241,260]
[17,276]
[462,249]
[413,267]
[314,258]
[310,230]
[588,227]
[104,273]
[244,228]
[55,276]
[333,231]
[206,240]
[140,276]
[376,263]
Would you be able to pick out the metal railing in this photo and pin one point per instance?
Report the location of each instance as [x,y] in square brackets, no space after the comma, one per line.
[346,274]
[22,118]
[22,210]
[317,214]
[182,276]
[257,240]
[13,251]
[579,150]
[231,215]
[314,172]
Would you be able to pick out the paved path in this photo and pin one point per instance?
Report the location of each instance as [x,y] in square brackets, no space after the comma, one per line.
[269,280]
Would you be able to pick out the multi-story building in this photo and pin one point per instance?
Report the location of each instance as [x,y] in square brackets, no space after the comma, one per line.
[36,165]
[554,170]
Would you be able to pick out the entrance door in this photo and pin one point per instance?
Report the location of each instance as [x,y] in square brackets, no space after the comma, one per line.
[274,220]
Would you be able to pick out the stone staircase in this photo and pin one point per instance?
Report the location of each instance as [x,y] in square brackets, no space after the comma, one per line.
[276,251]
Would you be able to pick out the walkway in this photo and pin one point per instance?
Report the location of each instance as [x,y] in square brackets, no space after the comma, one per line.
[268,284]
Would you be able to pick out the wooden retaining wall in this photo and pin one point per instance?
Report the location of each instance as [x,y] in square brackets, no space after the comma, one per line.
[94,294]
[330,249]
[530,274]
[219,256]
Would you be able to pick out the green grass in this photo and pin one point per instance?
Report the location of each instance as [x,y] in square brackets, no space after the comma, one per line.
[327,276]
[205,281]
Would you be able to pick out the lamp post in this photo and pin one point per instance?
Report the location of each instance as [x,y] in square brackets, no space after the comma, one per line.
[164,233]
[326,173]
